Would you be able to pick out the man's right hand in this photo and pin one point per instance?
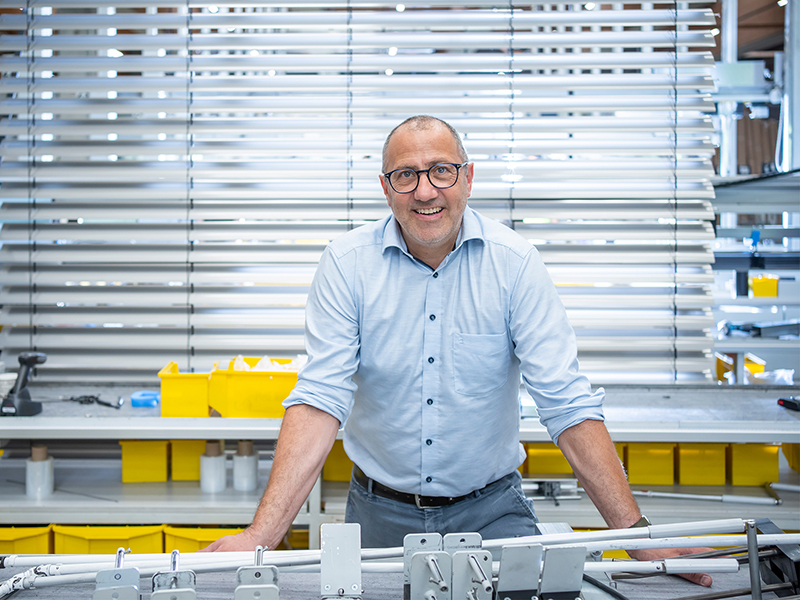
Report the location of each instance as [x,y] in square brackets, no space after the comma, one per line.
[241,542]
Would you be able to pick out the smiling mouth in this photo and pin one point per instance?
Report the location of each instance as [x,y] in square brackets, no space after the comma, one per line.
[428,211]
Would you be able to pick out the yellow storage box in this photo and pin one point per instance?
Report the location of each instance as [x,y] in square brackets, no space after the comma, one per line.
[651,463]
[753,464]
[544,458]
[338,466]
[249,394]
[185,459]
[88,539]
[192,539]
[792,454]
[183,394]
[144,460]
[701,464]
[26,540]
[764,285]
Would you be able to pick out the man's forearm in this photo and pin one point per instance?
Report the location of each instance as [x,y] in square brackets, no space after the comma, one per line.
[589,449]
[306,437]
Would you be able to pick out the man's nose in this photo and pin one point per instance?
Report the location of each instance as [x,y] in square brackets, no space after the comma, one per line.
[425,191]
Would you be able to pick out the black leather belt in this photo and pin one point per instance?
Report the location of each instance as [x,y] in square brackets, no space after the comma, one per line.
[416,499]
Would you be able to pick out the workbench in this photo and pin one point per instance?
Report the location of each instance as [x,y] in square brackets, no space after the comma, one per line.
[389,586]
[89,491]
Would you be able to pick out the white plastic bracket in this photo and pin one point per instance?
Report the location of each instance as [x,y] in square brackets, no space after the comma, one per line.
[117,583]
[257,582]
[455,542]
[174,584]
[340,562]
[472,575]
[430,576]
[413,543]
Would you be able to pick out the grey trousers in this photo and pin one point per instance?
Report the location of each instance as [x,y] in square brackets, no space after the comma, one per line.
[499,510]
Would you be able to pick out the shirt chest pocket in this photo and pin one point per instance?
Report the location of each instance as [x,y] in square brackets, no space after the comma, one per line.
[480,362]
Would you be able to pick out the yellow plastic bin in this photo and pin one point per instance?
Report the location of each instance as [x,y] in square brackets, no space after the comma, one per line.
[185,459]
[183,394]
[338,466]
[26,540]
[764,285]
[651,463]
[753,464]
[192,539]
[792,454]
[544,458]
[701,464]
[144,460]
[250,394]
[89,539]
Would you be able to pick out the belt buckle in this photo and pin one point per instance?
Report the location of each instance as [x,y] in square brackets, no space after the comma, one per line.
[417,501]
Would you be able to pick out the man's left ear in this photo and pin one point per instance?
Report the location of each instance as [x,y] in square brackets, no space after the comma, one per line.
[470,174]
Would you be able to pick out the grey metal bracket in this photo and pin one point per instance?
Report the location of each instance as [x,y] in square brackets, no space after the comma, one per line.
[117,583]
[472,575]
[455,542]
[430,576]
[340,561]
[174,584]
[257,582]
[562,573]
[413,543]
[520,568]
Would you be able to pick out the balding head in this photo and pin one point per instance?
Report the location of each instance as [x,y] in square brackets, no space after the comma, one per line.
[421,123]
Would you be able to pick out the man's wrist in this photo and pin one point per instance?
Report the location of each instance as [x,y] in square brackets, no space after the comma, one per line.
[642,522]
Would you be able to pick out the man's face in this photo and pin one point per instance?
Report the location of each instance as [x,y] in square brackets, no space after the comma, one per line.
[429,217]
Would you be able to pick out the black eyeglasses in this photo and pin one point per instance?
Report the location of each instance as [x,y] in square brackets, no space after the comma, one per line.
[441,176]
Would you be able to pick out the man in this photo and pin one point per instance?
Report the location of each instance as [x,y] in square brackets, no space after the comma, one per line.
[417,329]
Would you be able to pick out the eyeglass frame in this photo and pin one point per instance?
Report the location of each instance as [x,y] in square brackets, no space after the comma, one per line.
[388,176]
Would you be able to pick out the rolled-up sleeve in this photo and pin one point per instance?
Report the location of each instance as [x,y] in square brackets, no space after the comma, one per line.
[332,342]
[546,347]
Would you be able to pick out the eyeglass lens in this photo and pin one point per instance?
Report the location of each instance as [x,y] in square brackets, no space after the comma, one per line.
[441,176]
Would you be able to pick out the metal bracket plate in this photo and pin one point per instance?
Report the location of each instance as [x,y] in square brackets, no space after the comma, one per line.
[117,584]
[562,573]
[472,575]
[174,585]
[520,567]
[340,561]
[256,583]
[430,576]
[413,543]
[454,542]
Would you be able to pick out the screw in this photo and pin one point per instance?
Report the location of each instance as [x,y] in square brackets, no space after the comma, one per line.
[257,574]
[327,587]
[341,591]
[117,576]
[355,586]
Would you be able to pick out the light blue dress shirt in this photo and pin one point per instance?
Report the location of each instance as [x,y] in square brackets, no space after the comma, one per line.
[423,366]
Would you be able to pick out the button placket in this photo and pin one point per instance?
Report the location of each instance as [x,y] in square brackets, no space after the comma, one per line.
[431,379]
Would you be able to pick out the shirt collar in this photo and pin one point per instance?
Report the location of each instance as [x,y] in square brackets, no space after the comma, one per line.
[470,230]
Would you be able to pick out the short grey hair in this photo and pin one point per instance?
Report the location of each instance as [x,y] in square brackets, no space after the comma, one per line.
[420,122]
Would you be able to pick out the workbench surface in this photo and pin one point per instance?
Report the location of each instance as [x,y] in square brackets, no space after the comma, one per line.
[305,586]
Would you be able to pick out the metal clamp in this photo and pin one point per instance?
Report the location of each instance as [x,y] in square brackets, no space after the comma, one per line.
[174,584]
[117,583]
[562,573]
[257,582]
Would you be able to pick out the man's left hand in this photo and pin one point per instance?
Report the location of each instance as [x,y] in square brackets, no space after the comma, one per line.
[703,579]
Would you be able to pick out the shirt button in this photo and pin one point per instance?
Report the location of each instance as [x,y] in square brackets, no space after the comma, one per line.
[435,275]
[432,317]
[429,442]
[430,401]
[430,359]
[429,479]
